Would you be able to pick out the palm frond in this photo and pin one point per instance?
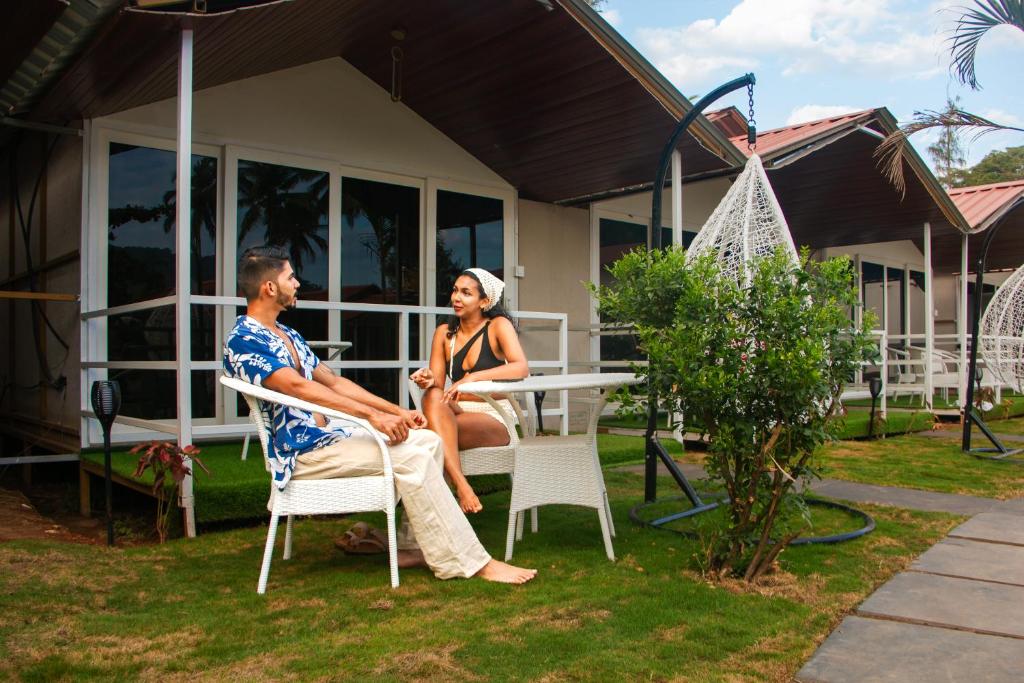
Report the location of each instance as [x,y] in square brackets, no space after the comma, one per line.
[972,26]
[891,151]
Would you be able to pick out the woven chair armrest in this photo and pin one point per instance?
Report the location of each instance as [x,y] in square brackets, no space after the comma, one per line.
[264,394]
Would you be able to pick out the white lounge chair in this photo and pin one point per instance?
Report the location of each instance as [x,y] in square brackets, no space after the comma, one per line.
[319,496]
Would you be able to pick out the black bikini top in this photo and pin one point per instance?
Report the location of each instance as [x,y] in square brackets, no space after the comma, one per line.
[485,361]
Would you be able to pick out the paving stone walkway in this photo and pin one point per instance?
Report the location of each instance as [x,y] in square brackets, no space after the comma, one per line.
[957,614]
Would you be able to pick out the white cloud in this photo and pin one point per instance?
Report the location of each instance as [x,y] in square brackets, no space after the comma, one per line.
[1002,116]
[803,36]
[612,16]
[813,112]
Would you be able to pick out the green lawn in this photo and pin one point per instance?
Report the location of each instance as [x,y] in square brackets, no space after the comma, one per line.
[234,488]
[852,426]
[188,610]
[919,462]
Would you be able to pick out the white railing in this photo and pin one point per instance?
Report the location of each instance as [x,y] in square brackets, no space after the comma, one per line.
[228,424]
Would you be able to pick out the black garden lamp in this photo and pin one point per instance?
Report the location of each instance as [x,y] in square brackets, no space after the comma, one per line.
[875,388]
[106,401]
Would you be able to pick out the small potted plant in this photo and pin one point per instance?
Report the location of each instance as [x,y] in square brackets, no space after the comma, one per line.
[165,458]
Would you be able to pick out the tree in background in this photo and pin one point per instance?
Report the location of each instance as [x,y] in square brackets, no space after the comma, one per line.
[971,27]
[996,167]
[947,153]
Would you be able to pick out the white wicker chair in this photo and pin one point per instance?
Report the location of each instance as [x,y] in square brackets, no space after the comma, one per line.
[493,459]
[319,496]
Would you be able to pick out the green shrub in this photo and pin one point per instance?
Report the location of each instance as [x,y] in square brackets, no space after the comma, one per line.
[760,366]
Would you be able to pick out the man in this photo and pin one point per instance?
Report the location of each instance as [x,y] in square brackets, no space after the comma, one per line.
[262,351]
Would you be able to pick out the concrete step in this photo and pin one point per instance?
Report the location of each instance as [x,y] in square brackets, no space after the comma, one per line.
[966,604]
[864,650]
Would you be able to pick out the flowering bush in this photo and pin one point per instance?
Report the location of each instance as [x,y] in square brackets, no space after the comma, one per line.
[761,368]
[164,458]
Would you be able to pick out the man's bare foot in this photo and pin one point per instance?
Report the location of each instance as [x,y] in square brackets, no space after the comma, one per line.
[468,500]
[500,572]
[411,558]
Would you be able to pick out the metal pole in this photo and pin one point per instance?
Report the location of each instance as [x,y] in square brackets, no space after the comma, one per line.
[965,379]
[108,486]
[677,198]
[654,450]
[979,281]
[929,317]
[183,229]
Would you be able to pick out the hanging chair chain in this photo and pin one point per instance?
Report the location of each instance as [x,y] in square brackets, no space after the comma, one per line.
[751,123]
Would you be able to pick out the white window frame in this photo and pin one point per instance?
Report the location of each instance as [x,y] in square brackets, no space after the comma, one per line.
[509,233]
[96,242]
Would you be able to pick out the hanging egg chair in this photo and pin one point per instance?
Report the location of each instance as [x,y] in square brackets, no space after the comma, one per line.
[1002,332]
[746,224]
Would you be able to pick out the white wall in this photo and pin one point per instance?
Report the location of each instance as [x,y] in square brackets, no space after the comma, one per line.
[699,200]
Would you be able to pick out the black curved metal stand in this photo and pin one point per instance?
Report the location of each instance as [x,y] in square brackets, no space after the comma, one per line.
[654,451]
[867,521]
[972,416]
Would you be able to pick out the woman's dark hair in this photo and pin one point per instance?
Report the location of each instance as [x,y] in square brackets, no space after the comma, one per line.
[495,311]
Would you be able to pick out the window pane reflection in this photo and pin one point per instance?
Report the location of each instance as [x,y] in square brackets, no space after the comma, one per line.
[470,234]
[616,239]
[287,207]
[380,252]
[141,266]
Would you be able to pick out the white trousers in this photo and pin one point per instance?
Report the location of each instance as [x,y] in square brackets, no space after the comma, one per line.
[438,526]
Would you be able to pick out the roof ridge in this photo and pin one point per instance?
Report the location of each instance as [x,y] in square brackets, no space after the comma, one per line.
[985,187]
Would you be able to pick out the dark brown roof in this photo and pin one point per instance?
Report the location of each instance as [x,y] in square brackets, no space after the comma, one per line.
[552,100]
[982,205]
[730,121]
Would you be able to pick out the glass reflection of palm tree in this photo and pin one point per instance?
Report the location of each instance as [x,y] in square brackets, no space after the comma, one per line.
[383,244]
[288,203]
[203,223]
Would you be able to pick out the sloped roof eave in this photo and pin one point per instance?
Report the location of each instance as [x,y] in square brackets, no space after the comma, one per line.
[707,134]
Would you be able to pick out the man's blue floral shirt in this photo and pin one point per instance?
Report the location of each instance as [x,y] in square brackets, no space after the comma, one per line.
[252,352]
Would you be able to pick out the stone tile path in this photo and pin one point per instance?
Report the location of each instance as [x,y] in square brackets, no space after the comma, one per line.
[957,614]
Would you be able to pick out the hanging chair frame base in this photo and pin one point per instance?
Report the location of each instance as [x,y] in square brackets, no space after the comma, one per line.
[867,526]
[1003,453]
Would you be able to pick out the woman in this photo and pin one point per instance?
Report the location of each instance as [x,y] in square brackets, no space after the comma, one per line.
[478,343]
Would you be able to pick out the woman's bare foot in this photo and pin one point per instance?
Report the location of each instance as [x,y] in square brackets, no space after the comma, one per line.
[468,500]
[411,558]
[500,572]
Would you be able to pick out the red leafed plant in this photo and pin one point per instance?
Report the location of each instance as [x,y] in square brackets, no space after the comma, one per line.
[164,458]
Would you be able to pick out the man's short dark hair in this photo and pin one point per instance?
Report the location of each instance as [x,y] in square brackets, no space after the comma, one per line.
[257,265]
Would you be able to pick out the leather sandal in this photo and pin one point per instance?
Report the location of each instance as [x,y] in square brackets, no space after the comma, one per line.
[362,539]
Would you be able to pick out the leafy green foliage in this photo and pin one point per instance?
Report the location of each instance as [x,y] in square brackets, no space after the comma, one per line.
[998,166]
[760,367]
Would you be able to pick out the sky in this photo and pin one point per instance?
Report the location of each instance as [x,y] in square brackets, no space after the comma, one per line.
[820,58]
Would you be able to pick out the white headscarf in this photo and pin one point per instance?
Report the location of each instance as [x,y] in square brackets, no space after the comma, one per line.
[492,286]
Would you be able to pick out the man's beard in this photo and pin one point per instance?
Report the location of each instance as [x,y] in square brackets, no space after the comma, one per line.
[286,303]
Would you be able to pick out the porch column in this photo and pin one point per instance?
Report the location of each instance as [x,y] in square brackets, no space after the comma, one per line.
[929,315]
[961,317]
[858,312]
[183,280]
[677,198]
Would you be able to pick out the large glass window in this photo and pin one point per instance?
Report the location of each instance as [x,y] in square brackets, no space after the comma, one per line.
[872,284]
[470,234]
[141,263]
[380,256]
[616,239]
[287,207]
[896,302]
